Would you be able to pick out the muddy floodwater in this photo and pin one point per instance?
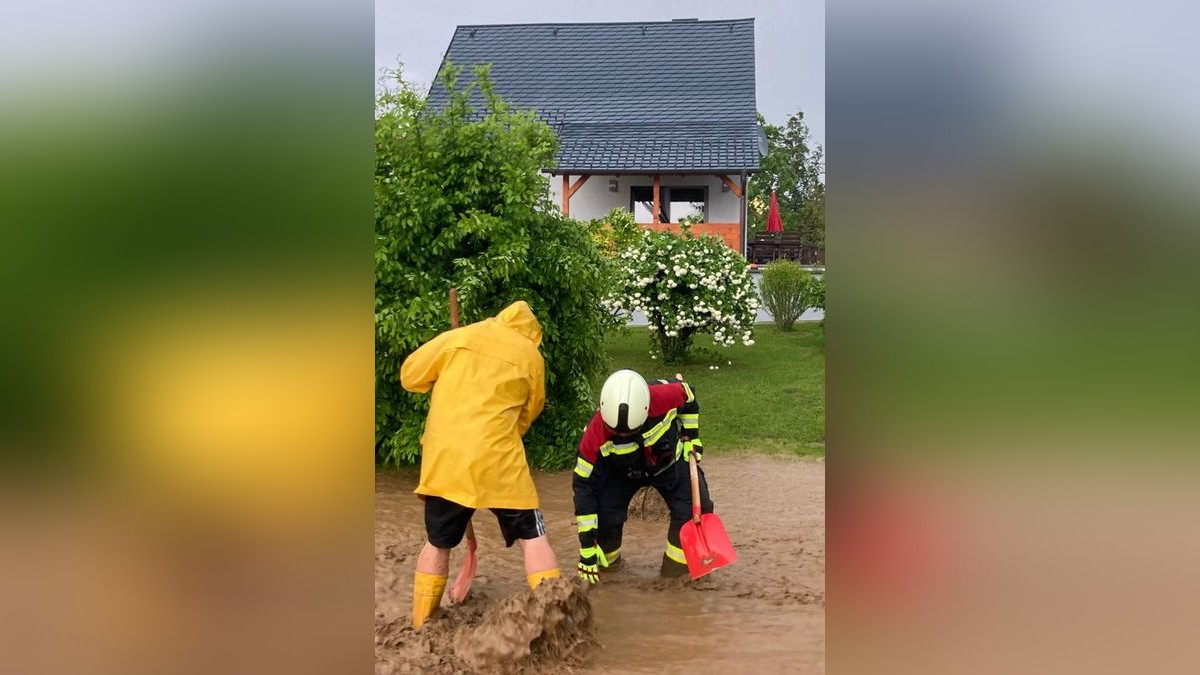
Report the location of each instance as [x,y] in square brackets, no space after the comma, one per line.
[765,613]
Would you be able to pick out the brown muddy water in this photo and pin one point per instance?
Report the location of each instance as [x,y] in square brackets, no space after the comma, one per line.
[765,613]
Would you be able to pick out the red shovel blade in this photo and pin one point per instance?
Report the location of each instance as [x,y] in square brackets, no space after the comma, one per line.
[706,546]
[462,585]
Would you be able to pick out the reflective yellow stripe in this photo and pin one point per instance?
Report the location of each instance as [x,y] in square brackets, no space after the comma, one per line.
[690,396]
[583,468]
[587,522]
[624,448]
[675,553]
[605,561]
[690,421]
[609,448]
[656,432]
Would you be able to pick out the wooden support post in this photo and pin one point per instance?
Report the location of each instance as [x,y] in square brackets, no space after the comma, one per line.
[743,231]
[566,195]
[656,200]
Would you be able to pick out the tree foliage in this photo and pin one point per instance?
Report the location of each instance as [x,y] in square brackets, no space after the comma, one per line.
[460,202]
[792,169]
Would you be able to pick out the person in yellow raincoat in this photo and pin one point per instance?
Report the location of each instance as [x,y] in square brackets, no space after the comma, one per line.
[488,382]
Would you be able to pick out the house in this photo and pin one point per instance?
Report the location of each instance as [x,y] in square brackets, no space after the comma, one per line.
[655,117]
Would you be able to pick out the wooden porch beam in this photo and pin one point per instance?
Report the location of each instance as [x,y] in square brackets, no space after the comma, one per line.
[656,199]
[578,184]
[566,195]
[733,187]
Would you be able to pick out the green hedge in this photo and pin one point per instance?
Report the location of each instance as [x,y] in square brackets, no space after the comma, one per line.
[460,201]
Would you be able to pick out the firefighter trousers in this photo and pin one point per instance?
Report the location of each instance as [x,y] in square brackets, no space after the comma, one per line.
[674,484]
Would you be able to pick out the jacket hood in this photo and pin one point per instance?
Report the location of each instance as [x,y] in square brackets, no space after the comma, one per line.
[519,317]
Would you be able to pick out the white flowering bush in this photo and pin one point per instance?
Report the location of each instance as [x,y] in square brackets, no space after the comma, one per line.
[686,285]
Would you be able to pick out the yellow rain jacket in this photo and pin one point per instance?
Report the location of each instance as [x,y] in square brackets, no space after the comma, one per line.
[488,382]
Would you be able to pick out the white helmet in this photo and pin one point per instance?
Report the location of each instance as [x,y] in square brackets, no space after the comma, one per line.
[624,401]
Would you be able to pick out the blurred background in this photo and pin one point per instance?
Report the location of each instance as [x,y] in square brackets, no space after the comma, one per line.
[185,281]
[1012,366]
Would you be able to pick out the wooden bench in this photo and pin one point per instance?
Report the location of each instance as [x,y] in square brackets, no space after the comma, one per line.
[768,246]
[763,249]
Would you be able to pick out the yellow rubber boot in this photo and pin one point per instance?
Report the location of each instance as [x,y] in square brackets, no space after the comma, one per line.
[536,577]
[427,595]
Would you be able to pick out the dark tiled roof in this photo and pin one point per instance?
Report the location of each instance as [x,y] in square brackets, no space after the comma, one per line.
[659,147]
[675,95]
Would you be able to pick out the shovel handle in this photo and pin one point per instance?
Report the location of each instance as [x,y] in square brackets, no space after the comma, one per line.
[466,575]
[695,473]
[454,324]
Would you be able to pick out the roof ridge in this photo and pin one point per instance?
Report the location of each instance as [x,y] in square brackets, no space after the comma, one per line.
[671,120]
[607,23]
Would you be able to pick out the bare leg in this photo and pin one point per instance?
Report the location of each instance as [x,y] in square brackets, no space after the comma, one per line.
[434,560]
[540,561]
[539,557]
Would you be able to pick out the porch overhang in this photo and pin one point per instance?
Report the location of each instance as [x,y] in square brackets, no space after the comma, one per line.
[601,171]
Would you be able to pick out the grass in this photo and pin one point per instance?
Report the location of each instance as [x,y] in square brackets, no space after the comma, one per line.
[770,400]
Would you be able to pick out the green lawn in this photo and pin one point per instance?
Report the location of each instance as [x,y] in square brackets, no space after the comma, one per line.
[770,400]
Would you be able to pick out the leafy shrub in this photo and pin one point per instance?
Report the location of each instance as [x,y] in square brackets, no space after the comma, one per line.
[686,285]
[818,293]
[615,232]
[787,291]
[460,202]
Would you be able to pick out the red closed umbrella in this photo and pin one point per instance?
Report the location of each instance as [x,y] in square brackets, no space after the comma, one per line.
[774,222]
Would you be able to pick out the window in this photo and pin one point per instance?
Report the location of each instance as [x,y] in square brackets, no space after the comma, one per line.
[684,202]
[674,203]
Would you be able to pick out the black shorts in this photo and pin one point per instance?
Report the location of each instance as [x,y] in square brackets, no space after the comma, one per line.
[446,522]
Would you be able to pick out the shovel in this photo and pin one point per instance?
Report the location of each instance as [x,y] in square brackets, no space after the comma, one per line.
[705,544]
[462,584]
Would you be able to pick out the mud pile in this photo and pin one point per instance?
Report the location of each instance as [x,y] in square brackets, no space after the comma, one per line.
[647,504]
[551,626]
[549,630]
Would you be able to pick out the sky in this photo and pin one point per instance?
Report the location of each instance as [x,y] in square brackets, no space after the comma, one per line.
[789,39]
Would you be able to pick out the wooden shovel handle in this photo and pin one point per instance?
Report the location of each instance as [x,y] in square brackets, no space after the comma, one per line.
[695,486]
[454,324]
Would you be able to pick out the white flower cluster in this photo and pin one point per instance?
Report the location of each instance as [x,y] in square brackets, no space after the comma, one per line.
[688,285]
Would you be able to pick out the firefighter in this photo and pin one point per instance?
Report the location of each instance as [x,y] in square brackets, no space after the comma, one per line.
[488,382]
[638,437]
